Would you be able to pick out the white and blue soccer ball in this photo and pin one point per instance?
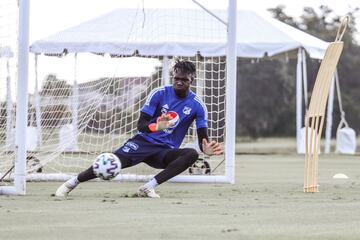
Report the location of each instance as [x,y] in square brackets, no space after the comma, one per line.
[106,166]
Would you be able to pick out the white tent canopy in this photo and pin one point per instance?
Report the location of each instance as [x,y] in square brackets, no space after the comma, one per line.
[185,32]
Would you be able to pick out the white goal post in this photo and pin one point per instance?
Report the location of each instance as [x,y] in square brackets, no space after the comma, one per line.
[71,120]
[22,46]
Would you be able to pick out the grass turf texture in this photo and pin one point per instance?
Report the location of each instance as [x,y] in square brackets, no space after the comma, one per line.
[266,202]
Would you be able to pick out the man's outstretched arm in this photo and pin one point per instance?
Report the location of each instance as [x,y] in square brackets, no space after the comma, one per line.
[144,122]
[209,148]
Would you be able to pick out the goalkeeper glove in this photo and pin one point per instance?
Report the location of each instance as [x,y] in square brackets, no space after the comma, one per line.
[162,122]
[211,148]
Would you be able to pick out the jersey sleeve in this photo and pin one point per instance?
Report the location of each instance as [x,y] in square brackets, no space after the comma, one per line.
[201,114]
[152,101]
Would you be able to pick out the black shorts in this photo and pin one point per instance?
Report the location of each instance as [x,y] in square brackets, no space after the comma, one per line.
[137,150]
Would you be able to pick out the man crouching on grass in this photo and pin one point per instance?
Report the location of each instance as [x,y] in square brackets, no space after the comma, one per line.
[164,120]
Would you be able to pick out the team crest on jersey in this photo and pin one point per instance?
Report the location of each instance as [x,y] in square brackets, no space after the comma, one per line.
[164,108]
[186,110]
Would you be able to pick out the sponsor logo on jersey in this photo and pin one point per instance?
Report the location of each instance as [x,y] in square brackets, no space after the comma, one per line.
[186,110]
[132,145]
[169,130]
[175,120]
[126,149]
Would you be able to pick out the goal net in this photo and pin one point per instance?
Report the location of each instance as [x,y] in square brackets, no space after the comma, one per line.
[9,14]
[85,99]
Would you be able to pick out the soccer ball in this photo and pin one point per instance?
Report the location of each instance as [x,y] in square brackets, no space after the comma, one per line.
[200,167]
[106,166]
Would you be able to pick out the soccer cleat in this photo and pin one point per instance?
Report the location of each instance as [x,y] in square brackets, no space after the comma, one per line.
[64,190]
[145,191]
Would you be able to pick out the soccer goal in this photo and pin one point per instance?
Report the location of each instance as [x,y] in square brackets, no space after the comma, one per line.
[94,107]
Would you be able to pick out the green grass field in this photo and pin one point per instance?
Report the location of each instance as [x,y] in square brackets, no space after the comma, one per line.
[266,202]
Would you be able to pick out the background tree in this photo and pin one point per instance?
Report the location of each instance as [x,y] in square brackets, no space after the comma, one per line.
[266,88]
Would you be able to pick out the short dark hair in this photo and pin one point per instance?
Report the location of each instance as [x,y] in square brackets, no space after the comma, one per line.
[185,66]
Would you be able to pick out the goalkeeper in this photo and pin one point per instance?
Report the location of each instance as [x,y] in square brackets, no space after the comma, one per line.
[164,120]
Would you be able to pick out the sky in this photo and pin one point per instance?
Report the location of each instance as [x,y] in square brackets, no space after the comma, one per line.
[48,17]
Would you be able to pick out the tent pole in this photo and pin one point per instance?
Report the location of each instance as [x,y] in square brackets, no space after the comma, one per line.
[75,105]
[298,100]
[37,104]
[9,111]
[304,78]
[329,117]
[165,71]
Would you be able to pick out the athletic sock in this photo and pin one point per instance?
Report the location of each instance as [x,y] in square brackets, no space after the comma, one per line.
[152,183]
[73,181]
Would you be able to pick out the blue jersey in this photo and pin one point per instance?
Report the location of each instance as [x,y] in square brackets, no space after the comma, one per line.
[164,100]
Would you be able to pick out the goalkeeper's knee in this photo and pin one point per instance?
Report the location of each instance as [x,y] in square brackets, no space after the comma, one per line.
[191,155]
